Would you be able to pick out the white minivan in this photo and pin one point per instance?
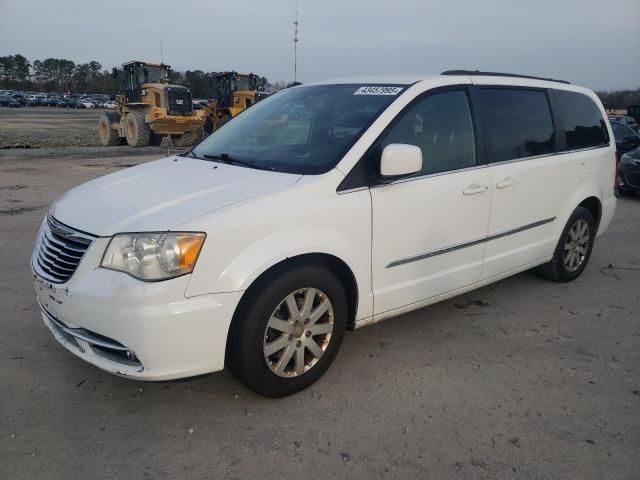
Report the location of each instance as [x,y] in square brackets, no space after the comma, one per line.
[323,208]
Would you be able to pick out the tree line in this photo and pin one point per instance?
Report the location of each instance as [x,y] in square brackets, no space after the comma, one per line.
[61,75]
[620,99]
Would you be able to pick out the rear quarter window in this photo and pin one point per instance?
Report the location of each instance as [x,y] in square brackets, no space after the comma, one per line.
[582,121]
[518,123]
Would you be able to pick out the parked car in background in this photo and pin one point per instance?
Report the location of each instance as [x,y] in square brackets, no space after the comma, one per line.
[258,248]
[628,178]
[20,98]
[87,102]
[629,121]
[73,103]
[97,102]
[110,105]
[8,101]
[626,138]
[53,101]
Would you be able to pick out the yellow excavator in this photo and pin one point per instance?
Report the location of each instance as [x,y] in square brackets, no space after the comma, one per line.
[233,93]
[150,106]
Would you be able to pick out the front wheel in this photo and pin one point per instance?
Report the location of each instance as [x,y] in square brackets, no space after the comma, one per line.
[288,330]
[108,136]
[137,132]
[574,248]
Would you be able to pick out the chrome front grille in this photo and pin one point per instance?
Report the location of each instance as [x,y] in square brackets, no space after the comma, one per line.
[58,250]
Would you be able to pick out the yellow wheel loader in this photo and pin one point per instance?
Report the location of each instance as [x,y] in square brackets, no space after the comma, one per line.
[233,93]
[149,107]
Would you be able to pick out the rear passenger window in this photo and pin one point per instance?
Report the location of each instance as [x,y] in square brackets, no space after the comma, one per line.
[518,123]
[584,126]
[441,126]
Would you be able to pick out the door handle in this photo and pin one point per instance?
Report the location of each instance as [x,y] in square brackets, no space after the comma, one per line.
[506,182]
[474,189]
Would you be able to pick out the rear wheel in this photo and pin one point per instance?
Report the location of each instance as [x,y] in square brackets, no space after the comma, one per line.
[207,126]
[288,330]
[574,248]
[136,130]
[108,136]
[185,140]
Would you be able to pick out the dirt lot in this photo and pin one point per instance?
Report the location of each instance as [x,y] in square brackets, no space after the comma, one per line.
[524,379]
[44,127]
[48,127]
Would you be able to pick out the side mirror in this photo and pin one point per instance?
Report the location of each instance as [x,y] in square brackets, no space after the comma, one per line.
[114,72]
[400,160]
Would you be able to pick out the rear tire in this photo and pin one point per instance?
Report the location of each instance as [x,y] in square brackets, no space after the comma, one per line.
[574,248]
[207,126]
[277,346]
[136,130]
[185,140]
[108,136]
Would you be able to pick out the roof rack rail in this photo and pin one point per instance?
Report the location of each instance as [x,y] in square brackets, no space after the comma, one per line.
[499,74]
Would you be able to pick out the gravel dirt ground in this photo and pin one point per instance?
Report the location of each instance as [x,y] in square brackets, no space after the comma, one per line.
[523,379]
[44,127]
[35,127]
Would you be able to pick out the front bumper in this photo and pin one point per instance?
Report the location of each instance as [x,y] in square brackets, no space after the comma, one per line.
[142,330]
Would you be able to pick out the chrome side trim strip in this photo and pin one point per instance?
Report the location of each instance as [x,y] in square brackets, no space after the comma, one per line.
[452,248]
[430,175]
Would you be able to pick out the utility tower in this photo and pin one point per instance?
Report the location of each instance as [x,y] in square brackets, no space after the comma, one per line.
[295,46]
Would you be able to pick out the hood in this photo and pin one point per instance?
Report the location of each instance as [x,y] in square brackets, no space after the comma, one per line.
[160,195]
[635,153]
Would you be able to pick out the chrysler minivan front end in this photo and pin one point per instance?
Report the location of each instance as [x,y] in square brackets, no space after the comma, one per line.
[119,302]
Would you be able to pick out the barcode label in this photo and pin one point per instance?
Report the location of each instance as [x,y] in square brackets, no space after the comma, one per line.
[381,90]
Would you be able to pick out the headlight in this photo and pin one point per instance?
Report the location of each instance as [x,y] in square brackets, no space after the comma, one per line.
[153,256]
[627,159]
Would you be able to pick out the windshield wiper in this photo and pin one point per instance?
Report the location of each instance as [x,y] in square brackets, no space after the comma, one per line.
[225,158]
[191,154]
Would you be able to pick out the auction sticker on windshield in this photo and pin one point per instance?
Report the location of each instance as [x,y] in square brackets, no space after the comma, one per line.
[382,90]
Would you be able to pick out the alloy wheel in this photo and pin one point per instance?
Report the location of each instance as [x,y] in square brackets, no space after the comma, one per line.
[576,245]
[298,332]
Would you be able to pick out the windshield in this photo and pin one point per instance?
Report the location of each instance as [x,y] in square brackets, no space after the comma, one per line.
[304,130]
[149,74]
[623,133]
[244,82]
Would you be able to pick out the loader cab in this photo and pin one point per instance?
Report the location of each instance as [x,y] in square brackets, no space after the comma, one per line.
[232,89]
[137,74]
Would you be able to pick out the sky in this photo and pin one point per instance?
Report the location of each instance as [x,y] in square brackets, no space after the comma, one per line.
[595,43]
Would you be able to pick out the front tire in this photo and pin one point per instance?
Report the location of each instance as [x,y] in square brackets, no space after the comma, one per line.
[108,136]
[136,130]
[288,330]
[574,248]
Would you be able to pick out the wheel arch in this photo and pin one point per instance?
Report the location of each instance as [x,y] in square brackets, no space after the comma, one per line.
[594,206]
[338,266]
